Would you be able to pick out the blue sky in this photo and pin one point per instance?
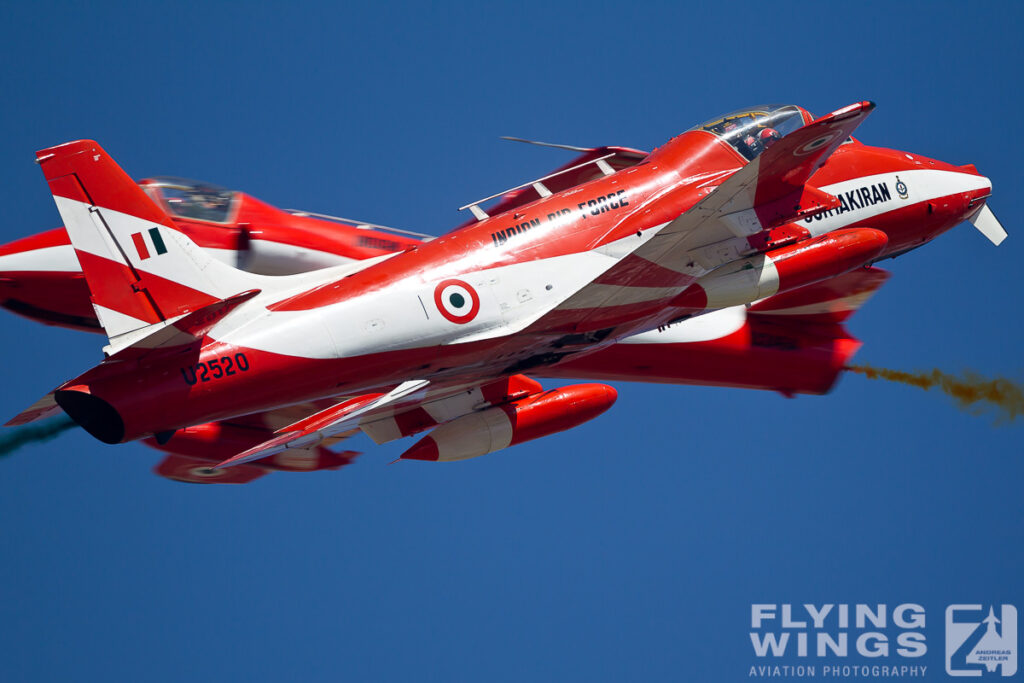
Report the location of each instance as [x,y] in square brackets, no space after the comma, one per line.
[629,548]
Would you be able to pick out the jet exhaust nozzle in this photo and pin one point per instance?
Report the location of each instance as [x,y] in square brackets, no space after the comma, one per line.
[92,414]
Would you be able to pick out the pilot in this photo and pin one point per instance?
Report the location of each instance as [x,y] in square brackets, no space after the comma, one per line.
[768,137]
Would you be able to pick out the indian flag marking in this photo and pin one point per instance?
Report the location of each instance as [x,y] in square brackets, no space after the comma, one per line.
[139,239]
[158,241]
[140,246]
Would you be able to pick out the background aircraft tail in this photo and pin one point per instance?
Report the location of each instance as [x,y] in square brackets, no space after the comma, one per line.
[140,269]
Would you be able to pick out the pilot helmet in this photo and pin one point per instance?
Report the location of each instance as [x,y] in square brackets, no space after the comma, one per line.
[768,137]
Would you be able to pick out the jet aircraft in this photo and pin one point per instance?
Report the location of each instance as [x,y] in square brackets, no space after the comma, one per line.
[731,255]
[40,277]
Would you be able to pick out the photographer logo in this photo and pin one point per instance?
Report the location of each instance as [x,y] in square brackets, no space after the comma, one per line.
[981,640]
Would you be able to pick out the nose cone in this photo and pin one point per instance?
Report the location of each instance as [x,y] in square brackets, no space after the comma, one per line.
[977,210]
[975,184]
[967,202]
[956,184]
[930,196]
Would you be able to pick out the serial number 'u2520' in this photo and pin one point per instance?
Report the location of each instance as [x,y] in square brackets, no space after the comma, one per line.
[215,369]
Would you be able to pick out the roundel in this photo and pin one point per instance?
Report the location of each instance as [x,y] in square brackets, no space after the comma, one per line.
[815,144]
[206,472]
[457,301]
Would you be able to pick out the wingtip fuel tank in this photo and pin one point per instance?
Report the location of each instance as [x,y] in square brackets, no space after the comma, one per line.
[502,426]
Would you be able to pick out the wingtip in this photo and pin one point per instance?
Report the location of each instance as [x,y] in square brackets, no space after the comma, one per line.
[862,108]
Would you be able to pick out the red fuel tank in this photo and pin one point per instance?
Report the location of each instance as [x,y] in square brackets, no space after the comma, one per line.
[784,269]
[502,426]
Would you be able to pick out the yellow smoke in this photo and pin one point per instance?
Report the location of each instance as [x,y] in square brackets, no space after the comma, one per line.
[969,391]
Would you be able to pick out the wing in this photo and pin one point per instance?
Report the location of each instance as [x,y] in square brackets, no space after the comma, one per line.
[409,408]
[769,191]
[193,451]
[793,343]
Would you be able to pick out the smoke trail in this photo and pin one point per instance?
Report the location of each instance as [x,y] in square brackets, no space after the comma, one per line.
[34,434]
[970,390]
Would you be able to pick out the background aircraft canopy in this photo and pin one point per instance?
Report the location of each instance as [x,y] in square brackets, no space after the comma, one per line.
[749,131]
[193,199]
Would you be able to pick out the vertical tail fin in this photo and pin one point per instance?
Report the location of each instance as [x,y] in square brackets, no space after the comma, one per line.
[140,269]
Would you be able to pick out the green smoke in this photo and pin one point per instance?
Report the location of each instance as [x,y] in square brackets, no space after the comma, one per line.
[22,436]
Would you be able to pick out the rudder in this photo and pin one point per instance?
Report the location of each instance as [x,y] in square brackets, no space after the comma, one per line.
[140,269]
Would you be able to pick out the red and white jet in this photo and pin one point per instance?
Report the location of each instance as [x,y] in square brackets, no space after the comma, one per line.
[40,277]
[733,253]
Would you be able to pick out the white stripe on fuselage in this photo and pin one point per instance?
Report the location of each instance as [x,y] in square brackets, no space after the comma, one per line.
[712,325]
[921,186]
[405,316]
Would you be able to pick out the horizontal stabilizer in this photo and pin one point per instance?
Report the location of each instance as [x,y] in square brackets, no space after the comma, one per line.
[184,330]
[40,410]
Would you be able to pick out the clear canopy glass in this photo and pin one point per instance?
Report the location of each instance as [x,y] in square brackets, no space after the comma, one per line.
[194,199]
[751,131]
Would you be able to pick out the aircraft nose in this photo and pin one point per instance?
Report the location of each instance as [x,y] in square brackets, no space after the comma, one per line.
[976,191]
[976,184]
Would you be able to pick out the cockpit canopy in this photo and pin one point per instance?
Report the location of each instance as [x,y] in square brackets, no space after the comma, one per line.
[192,199]
[751,131]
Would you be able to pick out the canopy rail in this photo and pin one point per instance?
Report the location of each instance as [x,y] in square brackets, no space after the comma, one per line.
[538,185]
[359,225]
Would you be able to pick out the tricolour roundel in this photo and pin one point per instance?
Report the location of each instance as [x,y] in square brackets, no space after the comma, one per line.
[815,144]
[457,301]
[206,472]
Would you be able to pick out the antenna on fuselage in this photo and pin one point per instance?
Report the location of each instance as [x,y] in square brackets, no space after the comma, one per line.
[571,148]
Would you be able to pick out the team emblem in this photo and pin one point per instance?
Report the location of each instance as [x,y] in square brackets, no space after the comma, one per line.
[901,188]
[457,301]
